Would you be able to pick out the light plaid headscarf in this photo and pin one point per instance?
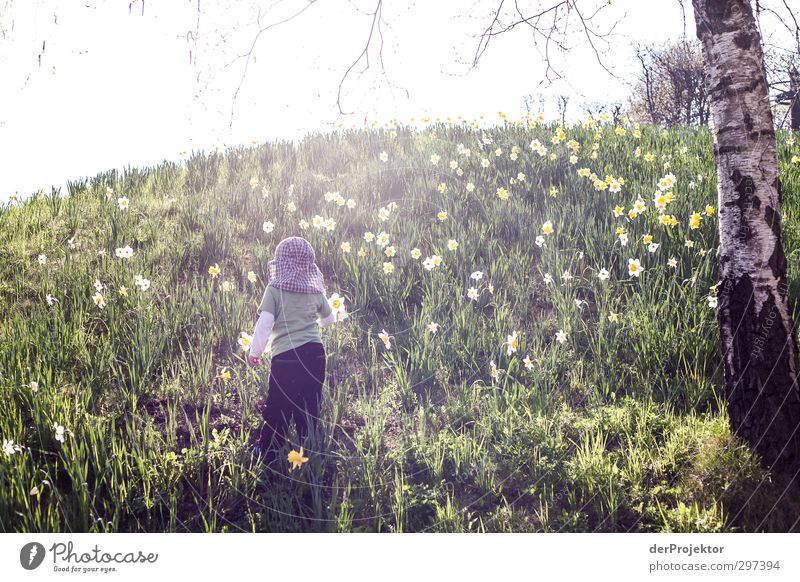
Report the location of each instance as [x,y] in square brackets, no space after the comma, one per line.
[294,267]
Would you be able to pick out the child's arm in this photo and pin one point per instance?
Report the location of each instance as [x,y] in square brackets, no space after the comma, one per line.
[261,333]
[326,314]
[326,321]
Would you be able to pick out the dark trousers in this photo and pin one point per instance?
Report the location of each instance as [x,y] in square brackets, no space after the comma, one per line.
[295,390]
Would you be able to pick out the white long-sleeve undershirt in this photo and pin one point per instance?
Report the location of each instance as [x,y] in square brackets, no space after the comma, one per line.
[263,330]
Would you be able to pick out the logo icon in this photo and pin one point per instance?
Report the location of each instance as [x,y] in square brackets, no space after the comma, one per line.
[31,555]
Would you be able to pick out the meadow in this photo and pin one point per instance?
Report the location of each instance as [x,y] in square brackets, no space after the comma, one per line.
[528,340]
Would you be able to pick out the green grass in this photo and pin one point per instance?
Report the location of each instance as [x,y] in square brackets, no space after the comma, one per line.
[620,428]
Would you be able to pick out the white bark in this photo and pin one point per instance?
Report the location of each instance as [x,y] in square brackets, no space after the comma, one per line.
[757,334]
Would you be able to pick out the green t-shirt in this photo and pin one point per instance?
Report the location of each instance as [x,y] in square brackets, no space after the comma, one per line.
[296,317]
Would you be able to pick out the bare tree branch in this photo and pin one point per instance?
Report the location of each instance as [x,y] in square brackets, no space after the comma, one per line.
[249,54]
[550,26]
[375,27]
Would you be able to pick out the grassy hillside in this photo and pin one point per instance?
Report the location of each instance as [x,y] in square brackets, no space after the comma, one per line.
[603,413]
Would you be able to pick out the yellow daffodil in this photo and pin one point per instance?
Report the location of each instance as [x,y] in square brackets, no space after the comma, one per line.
[296,459]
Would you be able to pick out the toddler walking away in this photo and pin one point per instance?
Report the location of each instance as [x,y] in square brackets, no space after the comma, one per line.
[293,308]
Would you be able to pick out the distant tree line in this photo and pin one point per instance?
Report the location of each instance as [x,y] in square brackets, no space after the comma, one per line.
[669,87]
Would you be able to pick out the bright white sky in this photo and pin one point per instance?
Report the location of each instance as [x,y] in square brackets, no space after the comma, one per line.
[117,89]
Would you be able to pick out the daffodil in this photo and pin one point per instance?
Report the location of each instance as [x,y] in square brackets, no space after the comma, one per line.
[123,203]
[603,274]
[494,371]
[251,276]
[561,336]
[58,432]
[296,459]
[547,227]
[214,270]
[388,268]
[634,267]
[142,283]
[98,300]
[386,339]
[452,245]
[336,302]
[512,343]
[472,293]
[416,253]
[9,448]
[442,215]
[125,252]
[433,327]
[245,340]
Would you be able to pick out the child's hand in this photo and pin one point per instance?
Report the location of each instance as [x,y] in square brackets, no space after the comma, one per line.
[253,361]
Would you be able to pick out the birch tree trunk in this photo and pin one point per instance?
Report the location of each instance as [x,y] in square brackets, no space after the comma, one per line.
[757,334]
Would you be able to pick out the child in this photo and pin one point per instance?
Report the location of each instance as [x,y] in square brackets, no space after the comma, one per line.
[292,309]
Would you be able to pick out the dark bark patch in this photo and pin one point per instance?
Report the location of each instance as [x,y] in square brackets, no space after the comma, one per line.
[727,149]
[760,380]
[773,218]
[743,40]
[745,188]
[748,122]
[716,19]
[724,89]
